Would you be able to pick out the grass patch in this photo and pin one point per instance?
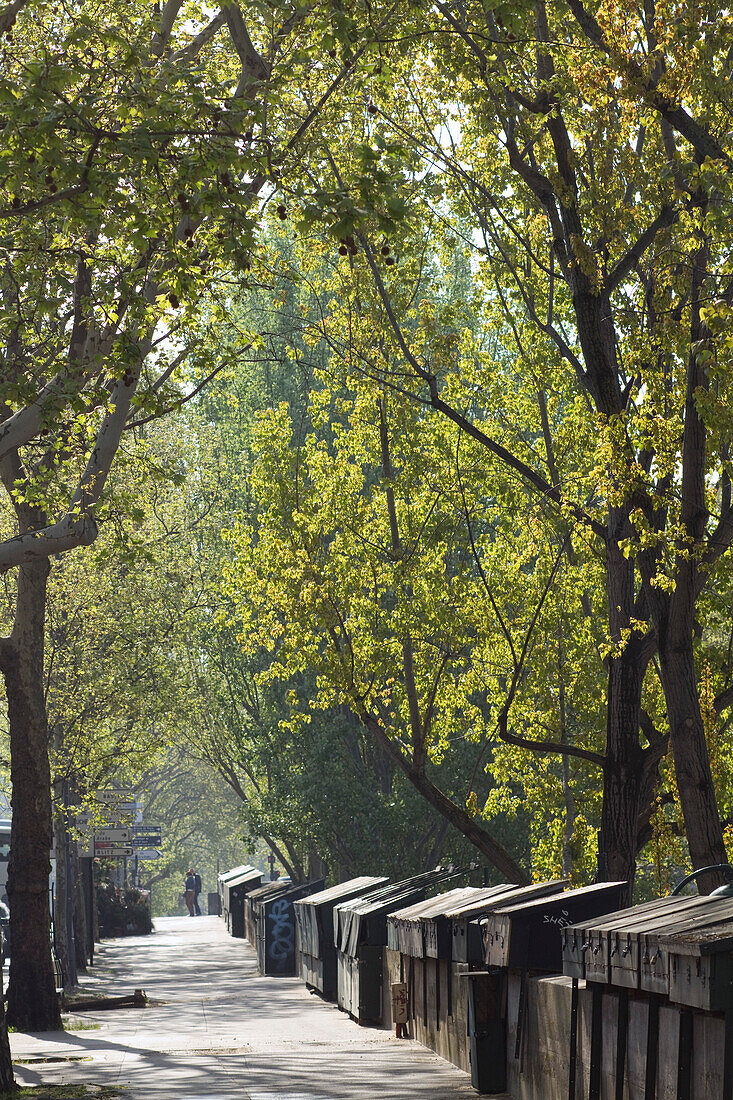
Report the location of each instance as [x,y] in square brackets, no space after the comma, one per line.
[47,1092]
[63,1092]
[50,1059]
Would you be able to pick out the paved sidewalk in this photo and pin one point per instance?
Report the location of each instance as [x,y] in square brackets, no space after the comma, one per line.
[216,1030]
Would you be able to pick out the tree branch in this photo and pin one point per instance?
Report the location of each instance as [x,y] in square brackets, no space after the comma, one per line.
[9,14]
[501,452]
[666,216]
[168,16]
[559,747]
[254,67]
[503,718]
[455,814]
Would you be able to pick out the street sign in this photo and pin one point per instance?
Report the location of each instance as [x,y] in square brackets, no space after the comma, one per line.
[147,836]
[128,807]
[150,840]
[146,854]
[114,795]
[120,804]
[108,841]
[82,824]
[114,853]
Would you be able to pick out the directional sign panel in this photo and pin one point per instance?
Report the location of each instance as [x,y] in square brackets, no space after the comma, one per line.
[128,808]
[114,795]
[114,853]
[147,836]
[108,839]
[119,805]
[146,854]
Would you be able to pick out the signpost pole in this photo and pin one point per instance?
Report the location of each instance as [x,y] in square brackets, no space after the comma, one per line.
[90,920]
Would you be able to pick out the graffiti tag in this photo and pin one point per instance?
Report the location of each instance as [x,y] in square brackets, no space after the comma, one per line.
[282,932]
[563,920]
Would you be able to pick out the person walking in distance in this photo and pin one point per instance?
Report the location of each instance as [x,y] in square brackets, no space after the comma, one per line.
[196,892]
[190,892]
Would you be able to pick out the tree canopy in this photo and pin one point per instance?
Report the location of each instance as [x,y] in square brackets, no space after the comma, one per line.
[441,296]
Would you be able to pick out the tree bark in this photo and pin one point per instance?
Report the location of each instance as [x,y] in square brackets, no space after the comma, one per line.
[63,936]
[63,911]
[317,867]
[32,1001]
[675,613]
[81,932]
[94,936]
[567,789]
[623,773]
[691,759]
[626,789]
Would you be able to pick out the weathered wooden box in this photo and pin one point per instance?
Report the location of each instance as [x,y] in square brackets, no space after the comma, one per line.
[529,935]
[314,916]
[362,924]
[252,906]
[422,930]
[591,945]
[360,984]
[698,914]
[467,946]
[701,968]
[276,940]
[466,930]
[667,965]
[437,932]
[235,885]
[628,948]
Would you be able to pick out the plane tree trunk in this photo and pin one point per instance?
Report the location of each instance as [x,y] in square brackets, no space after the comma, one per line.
[32,1001]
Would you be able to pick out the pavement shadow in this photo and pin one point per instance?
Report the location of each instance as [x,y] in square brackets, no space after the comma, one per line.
[276,1041]
[301,1075]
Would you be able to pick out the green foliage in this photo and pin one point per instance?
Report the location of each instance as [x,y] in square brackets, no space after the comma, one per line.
[201,824]
[585,162]
[310,785]
[426,460]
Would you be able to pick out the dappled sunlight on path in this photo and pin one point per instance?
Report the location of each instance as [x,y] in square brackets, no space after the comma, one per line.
[215,1029]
